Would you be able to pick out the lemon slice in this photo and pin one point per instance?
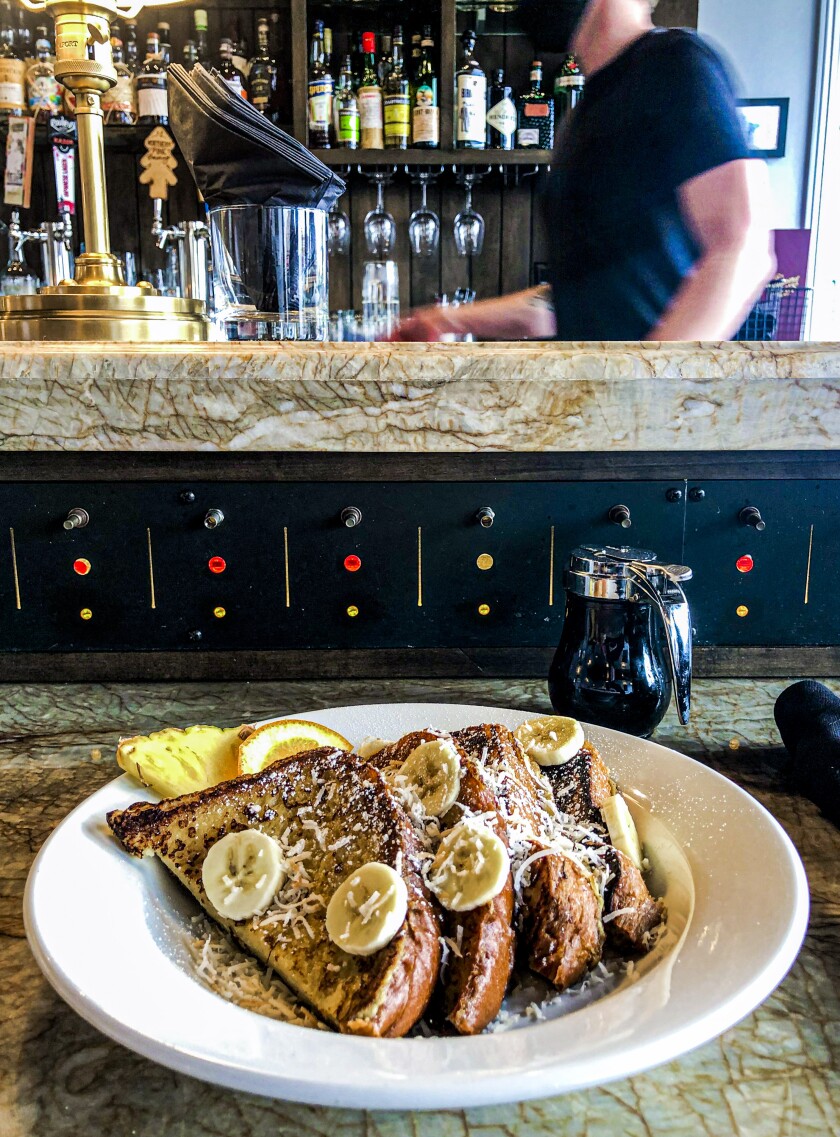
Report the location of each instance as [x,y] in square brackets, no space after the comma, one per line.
[174,761]
[282,739]
[550,740]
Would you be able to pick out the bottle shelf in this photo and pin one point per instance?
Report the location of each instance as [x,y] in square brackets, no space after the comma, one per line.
[416,157]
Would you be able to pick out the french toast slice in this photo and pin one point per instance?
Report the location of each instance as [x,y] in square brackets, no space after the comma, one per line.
[481,942]
[559,904]
[580,787]
[330,814]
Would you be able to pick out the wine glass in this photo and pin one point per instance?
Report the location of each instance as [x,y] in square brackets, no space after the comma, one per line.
[380,227]
[424,225]
[338,232]
[469,227]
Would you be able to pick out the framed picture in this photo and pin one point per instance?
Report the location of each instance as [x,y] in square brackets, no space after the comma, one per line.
[766,122]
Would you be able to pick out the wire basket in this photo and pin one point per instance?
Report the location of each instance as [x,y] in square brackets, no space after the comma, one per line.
[779,315]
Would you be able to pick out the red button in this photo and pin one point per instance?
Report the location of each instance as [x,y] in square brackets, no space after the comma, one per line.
[745,563]
[81,566]
[352,563]
[217,564]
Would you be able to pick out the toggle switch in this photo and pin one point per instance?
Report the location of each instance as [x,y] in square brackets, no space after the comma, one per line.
[77,518]
[620,515]
[749,515]
[213,518]
[485,517]
[351,516]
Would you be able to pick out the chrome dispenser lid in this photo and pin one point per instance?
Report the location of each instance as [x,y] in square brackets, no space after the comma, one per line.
[608,572]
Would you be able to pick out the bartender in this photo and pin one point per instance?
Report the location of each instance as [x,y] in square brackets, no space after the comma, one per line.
[657,214]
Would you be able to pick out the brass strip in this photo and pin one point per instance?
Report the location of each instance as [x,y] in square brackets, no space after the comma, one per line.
[551,571]
[419,567]
[808,572]
[151,568]
[286,563]
[15,569]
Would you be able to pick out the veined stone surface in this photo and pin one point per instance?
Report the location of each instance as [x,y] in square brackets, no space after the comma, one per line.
[776,1074]
[420,397]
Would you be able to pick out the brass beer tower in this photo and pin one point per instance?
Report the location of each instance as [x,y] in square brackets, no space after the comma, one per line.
[97,304]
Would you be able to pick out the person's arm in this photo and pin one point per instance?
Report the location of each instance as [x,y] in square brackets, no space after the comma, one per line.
[727,211]
[521,315]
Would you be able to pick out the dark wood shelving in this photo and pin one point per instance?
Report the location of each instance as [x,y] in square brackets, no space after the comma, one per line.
[416,157]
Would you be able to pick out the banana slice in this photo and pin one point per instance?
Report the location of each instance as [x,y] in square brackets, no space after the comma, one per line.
[369,747]
[622,828]
[470,868]
[433,769]
[367,910]
[242,872]
[550,740]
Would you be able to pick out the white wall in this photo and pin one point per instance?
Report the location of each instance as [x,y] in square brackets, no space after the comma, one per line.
[772,46]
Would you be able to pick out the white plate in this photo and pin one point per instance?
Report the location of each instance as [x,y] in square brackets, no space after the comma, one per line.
[105,929]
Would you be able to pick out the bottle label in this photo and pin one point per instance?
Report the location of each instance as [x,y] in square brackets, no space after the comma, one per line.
[502,117]
[260,92]
[45,94]
[370,118]
[320,103]
[12,92]
[397,117]
[120,100]
[537,110]
[425,120]
[348,125]
[568,81]
[470,108]
[235,84]
[152,102]
[528,136]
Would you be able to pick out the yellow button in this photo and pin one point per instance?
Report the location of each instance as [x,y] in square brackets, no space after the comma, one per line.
[86,613]
[485,561]
[352,610]
[742,610]
[484,609]
[220,613]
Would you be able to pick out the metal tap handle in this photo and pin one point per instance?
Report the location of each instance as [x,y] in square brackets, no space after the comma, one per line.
[672,605]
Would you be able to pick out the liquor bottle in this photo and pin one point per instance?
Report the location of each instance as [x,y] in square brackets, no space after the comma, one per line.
[396,98]
[189,54]
[241,56]
[347,109]
[384,66]
[201,40]
[501,114]
[152,86]
[358,59]
[23,39]
[425,113]
[164,32]
[132,59]
[568,88]
[370,98]
[416,53]
[321,91]
[535,115]
[12,68]
[328,51]
[44,94]
[228,70]
[119,105]
[262,76]
[470,99]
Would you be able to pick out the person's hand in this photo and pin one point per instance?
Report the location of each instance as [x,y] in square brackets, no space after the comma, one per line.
[429,325]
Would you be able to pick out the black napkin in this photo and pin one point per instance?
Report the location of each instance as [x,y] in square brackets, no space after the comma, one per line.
[808,718]
[236,156]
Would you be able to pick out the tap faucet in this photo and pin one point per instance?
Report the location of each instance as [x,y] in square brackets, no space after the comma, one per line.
[192,239]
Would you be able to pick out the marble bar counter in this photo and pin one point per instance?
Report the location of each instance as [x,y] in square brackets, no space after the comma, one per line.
[517,397]
[776,1074]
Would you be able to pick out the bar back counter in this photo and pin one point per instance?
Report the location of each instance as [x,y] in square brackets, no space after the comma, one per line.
[299,510]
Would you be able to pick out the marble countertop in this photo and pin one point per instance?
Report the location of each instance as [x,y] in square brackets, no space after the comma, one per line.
[519,397]
[776,1074]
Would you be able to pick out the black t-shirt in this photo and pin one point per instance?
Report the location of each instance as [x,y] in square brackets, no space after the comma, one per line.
[659,115]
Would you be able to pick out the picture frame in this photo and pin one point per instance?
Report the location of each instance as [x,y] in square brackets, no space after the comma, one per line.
[766,124]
